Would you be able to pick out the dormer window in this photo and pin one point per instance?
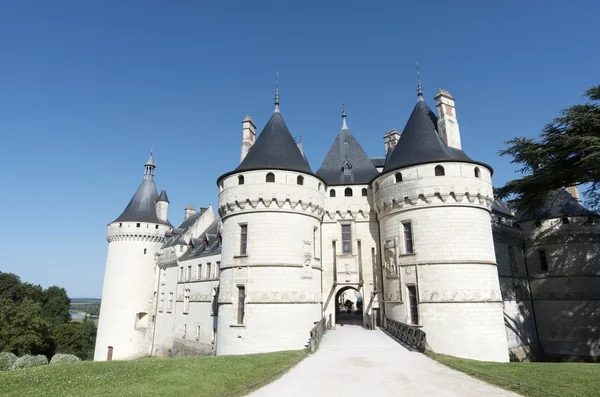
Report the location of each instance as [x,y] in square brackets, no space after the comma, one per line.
[439,170]
[270,177]
[332,193]
[364,192]
[348,192]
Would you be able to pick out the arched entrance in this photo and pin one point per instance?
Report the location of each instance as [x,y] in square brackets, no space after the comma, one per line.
[349,307]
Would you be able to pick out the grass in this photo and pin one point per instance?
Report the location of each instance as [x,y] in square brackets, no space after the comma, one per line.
[532,379]
[207,376]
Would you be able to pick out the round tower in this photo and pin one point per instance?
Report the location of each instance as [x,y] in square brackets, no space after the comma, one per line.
[270,282]
[433,203]
[133,240]
[162,205]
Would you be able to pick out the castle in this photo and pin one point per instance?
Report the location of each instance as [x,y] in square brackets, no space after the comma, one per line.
[416,234]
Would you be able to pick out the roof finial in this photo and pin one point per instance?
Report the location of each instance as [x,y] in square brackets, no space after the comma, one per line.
[419,86]
[344,126]
[277,92]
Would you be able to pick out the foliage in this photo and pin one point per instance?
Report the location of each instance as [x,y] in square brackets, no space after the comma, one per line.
[531,379]
[190,376]
[567,152]
[23,330]
[76,338]
[12,288]
[348,304]
[93,309]
[64,359]
[7,359]
[28,361]
[56,305]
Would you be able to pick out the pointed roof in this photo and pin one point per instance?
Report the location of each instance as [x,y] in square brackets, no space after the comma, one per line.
[142,206]
[163,196]
[420,143]
[275,149]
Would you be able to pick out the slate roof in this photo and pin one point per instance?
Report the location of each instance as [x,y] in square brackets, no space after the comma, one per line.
[378,161]
[346,153]
[163,196]
[142,206]
[560,204]
[500,207]
[420,143]
[190,221]
[199,249]
[274,149]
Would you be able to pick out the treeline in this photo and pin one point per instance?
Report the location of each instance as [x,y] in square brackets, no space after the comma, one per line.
[93,309]
[34,321]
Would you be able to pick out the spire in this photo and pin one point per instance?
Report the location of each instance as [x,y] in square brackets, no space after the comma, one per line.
[149,167]
[419,86]
[344,126]
[276,92]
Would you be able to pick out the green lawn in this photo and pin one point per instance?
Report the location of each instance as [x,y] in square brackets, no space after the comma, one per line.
[532,379]
[208,376]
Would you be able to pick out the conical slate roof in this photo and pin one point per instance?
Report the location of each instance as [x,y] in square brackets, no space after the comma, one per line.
[163,196]
[346,163]
[275,149]
[142,206]
[420,143]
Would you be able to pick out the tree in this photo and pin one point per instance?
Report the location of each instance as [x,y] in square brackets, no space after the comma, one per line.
[76,338]
[566,153]
[12,288]
[23,329]
[56,305]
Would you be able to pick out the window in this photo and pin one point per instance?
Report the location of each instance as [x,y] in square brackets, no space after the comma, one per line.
[161,306]
[347,239]
[439,170]
[241,180]
[477,172]
[137,225]
[241,303]
[565,221]
[214,303]
[512,258]
[217,269]
[348,192]
[314,242]
[199,273]
[376,187]
[120,225]
[332,193]
[300,180]
[156,227]
[270,177]
[197,332]
[319,186]
[170,306]
[543,261]
[186,301]
[412,301]
[184,330]
[364,192]
[144,251]
[408,239]
[188,275]
[181,273]
[208,270]
[537,224]
[398,177]
[243,239]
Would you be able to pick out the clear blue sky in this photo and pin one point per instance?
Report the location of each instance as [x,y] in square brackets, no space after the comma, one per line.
[85,87]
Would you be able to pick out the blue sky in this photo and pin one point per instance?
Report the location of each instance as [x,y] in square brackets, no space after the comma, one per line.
[86,87]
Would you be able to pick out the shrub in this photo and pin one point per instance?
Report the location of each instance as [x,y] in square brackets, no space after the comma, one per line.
[28,361]
[64,359]
[7,360]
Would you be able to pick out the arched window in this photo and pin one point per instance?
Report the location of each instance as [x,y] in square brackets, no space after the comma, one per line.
[477,173]
[565,221]
[241,180]
[319,186]
[332,193]
[300,180]
[364,192]
[439,170]
[398,177]
[270,177]
[376,186]
[348,192]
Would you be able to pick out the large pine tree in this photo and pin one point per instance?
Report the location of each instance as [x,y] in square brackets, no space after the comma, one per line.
[567,152]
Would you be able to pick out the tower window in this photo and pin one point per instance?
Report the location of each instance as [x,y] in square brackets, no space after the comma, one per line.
[156,227]
[412,301]
[537,224]
[347,239]
[439,170]
[348,192]
[376,187]
[565,221]
[408,239]
[243,239]
[543,261]
[241,180]
[137,225]
[300,180]
[398,177]
[364,192]
[241,303]
[120,225]
[270,177]
[319,186]
[332,193]
[144,251]
[477,172]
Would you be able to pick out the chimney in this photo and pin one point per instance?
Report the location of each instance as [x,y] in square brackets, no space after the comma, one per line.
[248,136]
[447,123]
[189,211]
[574,191]
[390,139]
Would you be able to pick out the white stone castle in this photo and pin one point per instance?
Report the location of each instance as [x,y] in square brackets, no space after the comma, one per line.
[416,234]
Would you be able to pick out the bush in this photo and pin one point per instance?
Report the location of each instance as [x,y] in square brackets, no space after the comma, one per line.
[64,359]
[7,360]
[28,361]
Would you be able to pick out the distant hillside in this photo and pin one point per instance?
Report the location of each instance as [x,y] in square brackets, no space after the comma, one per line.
[85,300]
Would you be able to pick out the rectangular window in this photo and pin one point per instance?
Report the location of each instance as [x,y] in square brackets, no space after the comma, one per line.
[543,261]
[412,300]
[198,332]
[170,306]
[241,303]
[161,306]
[188,275]
[217,269]
[408,239]
[214,303]
[347,239]
[186,301]
[315,242]
[243,239]
[181,273]
[208,270]
[199,274]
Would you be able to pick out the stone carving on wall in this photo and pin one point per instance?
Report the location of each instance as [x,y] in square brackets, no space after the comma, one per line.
[391,265]
[394,296]
[435,296]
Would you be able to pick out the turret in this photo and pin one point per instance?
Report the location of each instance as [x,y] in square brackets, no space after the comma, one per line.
[162,205]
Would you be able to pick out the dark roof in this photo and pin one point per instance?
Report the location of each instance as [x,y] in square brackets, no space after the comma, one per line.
[420,143]
[500,207]
[190,221]
[346,163]
[163,196]
[199,249]
[378,161]
[142,206]
[560,203]
[274,149]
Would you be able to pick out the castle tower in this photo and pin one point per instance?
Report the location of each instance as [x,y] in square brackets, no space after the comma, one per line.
[270,281]
[433,203]
[162,205]
[134,238]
